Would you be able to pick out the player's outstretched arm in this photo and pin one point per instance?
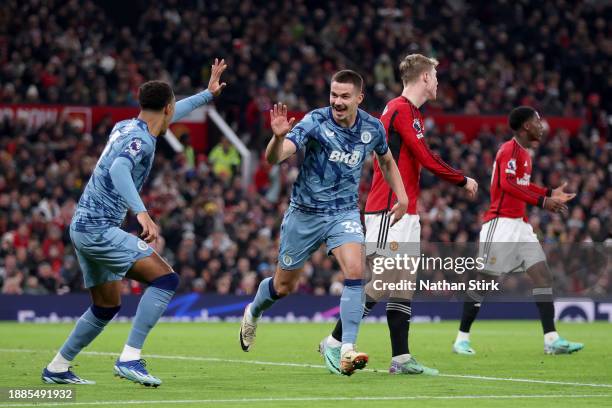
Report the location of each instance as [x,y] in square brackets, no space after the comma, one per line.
[394,180]
[215,87]
[279,148]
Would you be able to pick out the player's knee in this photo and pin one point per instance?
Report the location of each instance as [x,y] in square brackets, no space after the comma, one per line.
[354,270]
[168,282]
[283,289]
[105,313]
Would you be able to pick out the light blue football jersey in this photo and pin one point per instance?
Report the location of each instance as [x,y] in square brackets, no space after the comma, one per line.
[329,176]
[101,206]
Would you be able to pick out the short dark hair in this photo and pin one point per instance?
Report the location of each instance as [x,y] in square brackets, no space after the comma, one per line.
[518,116]
[348,76]
[154,95]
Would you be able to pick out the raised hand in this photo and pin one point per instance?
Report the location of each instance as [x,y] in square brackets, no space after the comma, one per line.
[278,120]
[561,195]
[215,75]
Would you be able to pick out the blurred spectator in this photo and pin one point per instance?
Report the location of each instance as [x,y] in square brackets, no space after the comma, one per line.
[225,159]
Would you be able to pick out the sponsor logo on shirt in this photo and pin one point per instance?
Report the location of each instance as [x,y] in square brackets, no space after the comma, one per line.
[350,159]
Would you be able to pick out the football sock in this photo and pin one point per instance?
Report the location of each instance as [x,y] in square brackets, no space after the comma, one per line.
[544,302]
[398,320]
[551,337]
[337,332]
[351,309]
[152,305]
[129,353]
[470,311]
[264,298]
[462,336]
[87,328]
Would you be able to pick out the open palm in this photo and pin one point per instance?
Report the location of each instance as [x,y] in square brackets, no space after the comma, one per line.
[215,76]
[278,120]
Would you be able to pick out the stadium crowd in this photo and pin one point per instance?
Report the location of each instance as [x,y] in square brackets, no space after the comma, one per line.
[221,239]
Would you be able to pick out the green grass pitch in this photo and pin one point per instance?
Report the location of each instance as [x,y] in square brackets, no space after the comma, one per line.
[284,369]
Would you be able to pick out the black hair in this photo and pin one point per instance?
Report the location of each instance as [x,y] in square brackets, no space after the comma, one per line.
[519,116]
[154,95]
[347,76]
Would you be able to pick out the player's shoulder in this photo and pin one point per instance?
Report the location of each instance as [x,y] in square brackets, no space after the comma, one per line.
[400,105]
[369,120]
[510,147]
[317,116]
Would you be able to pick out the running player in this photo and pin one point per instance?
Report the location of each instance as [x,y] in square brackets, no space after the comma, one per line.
[406,137]
[324,208]
[507,241]
[105,252]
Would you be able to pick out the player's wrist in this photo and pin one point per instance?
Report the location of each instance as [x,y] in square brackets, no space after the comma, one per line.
[542,202]
[463,182]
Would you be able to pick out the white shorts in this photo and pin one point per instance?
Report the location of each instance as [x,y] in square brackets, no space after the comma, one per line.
[509,245]
[403,237]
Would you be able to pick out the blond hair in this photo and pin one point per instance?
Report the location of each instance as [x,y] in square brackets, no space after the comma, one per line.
[414,65]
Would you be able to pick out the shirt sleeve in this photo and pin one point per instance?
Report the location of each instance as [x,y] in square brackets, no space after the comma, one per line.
[302,132]
[540,190]
[381,147]
[185,106]
[136,149]
[508,166]
[412,133]
[121,175]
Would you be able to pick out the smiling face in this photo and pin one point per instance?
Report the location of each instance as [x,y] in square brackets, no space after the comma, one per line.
[344,99]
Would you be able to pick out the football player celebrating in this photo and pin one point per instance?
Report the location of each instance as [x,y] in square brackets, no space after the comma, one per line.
[324,203]
[405,132]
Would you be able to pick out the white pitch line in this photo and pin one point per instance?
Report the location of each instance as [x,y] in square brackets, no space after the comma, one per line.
[310,399]
[282,364]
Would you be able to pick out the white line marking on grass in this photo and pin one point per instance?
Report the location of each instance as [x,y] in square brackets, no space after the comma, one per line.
[282,364]
[310,399]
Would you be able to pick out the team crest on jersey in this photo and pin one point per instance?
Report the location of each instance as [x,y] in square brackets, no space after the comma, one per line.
[142,245]
[287,260]
[134,147]
[416,124]
[366,137]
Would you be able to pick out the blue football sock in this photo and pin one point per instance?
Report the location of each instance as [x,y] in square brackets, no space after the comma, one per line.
[351,309]
[87,328]
[152,305]
[265,297]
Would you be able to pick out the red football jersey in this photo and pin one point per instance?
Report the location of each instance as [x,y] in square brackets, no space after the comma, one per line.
[511,189]
[406,138]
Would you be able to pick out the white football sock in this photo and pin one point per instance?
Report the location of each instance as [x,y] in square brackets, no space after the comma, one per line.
[402,358]
[346,347]
[551,337]
[59,364]
[129,354]
[331,342]
[462,336]
[250,318]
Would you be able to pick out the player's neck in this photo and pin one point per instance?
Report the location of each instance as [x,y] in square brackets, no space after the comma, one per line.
[523,142]
[154,122]
[415,96]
